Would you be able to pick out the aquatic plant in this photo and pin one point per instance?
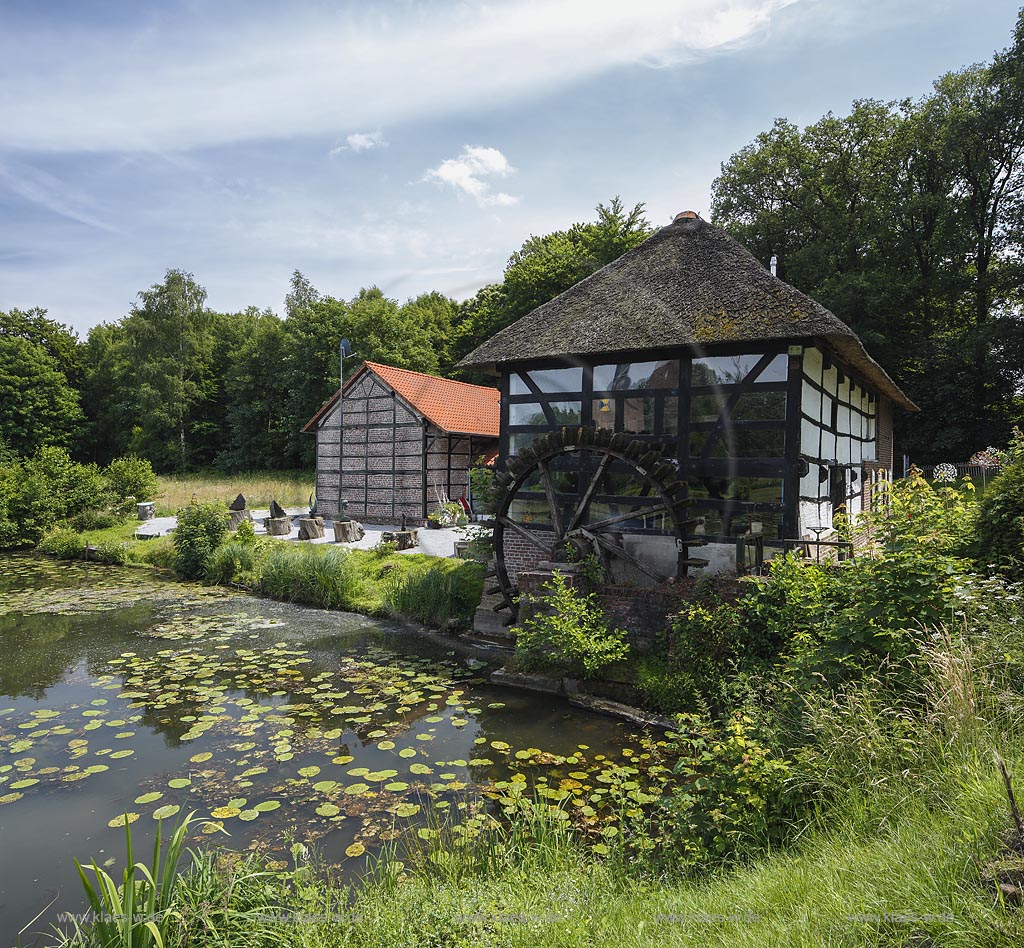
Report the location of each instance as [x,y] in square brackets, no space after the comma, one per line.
[435,594]
[137,913]
[325,578]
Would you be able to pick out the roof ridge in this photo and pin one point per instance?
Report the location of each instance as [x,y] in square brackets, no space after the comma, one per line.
[427,375]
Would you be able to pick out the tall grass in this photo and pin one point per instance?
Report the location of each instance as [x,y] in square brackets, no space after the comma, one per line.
[288,488]
[434,594]
[328,578]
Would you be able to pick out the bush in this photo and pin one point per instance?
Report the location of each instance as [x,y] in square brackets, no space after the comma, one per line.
[131,476]
[110,551]
[96,520]
[733,800]
[200,530]
[573,639]
[999,530]
[63,543]
[37,492]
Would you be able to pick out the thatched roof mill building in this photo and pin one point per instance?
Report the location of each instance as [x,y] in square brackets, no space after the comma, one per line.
[395,440]
[766,405]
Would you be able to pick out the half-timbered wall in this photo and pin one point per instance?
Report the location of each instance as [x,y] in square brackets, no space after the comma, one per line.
[742,426]
[838,440]
[382,440]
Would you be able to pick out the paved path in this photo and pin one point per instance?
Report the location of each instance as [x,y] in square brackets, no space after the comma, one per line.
[434,542]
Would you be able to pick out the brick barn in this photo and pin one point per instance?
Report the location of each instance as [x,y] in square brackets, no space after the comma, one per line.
[392,440]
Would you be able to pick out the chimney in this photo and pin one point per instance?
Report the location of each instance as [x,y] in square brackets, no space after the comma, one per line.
[685,216]
[774,265]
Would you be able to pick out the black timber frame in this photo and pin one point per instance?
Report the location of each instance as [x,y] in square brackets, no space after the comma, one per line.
[787,468]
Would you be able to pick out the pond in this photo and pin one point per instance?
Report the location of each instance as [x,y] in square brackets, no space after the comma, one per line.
[122,693]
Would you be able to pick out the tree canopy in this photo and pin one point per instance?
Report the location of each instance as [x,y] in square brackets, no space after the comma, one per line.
[905,219]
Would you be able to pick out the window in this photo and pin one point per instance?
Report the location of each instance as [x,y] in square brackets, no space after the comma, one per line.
[729,370]
[739,443]
[547,380]
[750,406]
[532,413]
[630,376]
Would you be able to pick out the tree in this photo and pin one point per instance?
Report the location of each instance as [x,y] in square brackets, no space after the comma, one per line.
[904,219]
[38,404]
[256,424]
[169,349]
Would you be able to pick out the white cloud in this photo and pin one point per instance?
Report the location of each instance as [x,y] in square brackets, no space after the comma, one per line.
[361,141]
[202,79]
[467,172]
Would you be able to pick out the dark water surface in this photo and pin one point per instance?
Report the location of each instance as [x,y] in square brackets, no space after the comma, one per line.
[121,692]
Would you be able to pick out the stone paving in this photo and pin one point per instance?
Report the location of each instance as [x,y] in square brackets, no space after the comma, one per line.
[434,542]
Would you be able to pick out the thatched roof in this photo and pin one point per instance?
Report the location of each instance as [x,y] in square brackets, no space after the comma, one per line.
[690,284]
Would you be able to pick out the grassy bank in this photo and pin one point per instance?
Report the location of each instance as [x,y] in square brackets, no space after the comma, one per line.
[412,586]
[288,488]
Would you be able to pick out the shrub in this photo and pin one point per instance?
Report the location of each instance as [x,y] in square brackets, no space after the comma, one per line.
[96,520]
[999,530]
[200,530]
[63,543]
[37,492]
[131,476]
[574,638]
[733,800]
[109,551]
[916,515]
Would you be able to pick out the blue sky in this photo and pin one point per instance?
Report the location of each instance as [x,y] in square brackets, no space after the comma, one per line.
[411,145]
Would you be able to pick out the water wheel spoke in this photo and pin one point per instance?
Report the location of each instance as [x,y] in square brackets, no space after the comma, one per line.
[612,547]
[552,496]
[525,534]
[589,493]
[628,515]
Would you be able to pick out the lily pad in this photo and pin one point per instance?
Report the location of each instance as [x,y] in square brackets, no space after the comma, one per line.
[162,813]
[122,819]
[356,849]
[149,797]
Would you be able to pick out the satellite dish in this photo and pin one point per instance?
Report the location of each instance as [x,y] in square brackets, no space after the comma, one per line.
[345,348]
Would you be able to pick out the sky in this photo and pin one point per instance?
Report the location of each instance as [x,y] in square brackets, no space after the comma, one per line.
[408,144]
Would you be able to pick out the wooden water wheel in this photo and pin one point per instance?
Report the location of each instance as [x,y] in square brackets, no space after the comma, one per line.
[552,503]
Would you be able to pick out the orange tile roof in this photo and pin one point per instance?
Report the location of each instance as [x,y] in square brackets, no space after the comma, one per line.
[453,406]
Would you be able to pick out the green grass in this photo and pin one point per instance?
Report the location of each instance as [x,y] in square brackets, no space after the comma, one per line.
[288,488]
[157,552]
[412,586]
[897,868]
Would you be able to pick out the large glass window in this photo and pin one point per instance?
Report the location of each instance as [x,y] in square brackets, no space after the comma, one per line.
[548,380]
[629,376]
[733,442]
[532,413]
[750,406]
[729,370]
